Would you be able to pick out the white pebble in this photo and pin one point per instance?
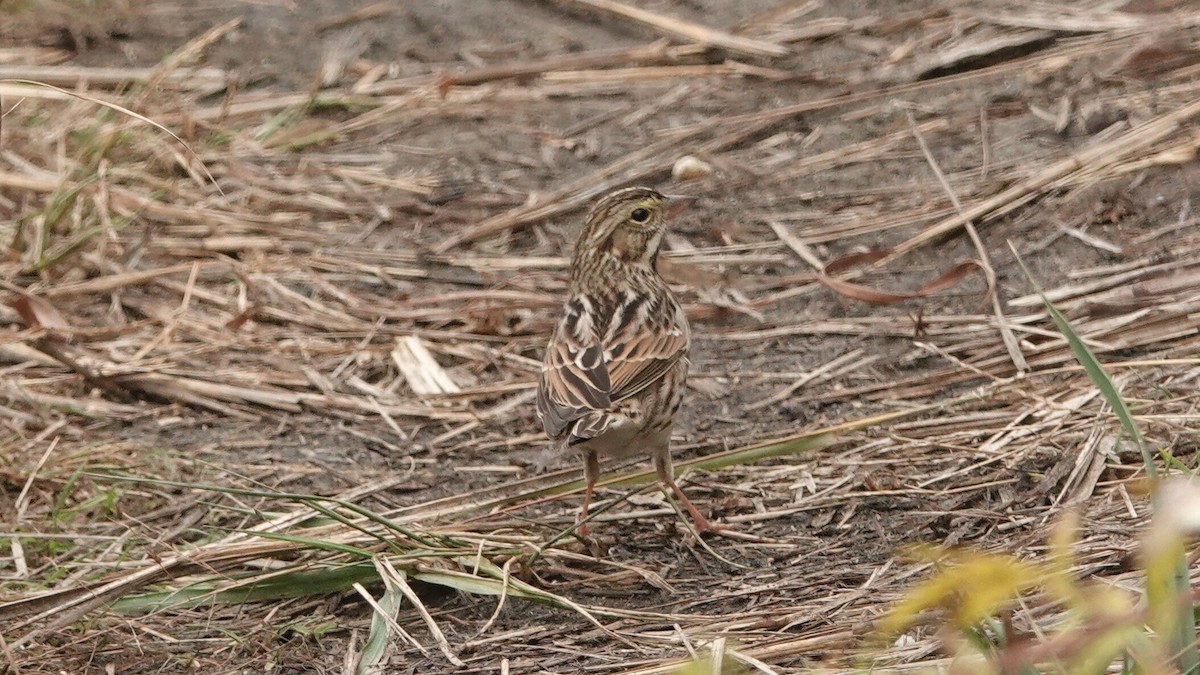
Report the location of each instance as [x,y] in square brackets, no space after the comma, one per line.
[689,167]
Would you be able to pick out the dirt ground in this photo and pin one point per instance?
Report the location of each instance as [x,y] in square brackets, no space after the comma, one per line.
[345,223]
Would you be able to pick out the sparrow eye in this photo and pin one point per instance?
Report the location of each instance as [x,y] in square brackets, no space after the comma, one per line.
[639,215]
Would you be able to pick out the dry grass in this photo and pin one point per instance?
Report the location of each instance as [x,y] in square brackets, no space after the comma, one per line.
[268,382]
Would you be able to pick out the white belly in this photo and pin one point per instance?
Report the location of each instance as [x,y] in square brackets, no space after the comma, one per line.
[624,438]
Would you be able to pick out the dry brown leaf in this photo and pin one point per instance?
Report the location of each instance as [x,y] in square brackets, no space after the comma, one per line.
[875,296]
[38,313]
[1157,56]
[241,318]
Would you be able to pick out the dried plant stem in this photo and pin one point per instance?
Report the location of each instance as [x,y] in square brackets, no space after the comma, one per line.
[1006,333]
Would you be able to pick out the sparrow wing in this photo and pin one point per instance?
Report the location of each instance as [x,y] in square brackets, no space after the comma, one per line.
[574,380]
[588,368]
[646,337]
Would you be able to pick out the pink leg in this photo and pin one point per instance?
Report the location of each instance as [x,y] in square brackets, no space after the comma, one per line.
[666,474]
[591,473]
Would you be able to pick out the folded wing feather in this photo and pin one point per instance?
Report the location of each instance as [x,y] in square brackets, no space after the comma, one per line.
[588,370]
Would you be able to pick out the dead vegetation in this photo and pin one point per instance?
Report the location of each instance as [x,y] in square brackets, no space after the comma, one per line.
[266,372]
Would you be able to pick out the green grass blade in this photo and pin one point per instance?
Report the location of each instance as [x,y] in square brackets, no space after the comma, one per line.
[303,582]
[311,542]
[1095,372]
[381,623]
[1160,596]
[537,487]
[305,499]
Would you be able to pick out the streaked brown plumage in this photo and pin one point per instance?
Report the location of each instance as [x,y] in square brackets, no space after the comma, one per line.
[616,366]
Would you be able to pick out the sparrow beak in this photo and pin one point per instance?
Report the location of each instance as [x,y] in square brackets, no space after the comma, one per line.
[677,204]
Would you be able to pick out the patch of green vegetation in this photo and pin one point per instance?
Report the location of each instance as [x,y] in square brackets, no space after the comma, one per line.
[101,503]
[1098,623]
[309,627]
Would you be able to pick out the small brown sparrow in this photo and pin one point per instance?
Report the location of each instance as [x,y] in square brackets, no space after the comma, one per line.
[616,366]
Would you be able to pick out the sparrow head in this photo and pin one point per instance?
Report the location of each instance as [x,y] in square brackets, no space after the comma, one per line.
[627,226]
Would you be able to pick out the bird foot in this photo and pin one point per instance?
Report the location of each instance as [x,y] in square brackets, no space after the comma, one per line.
[705,526]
